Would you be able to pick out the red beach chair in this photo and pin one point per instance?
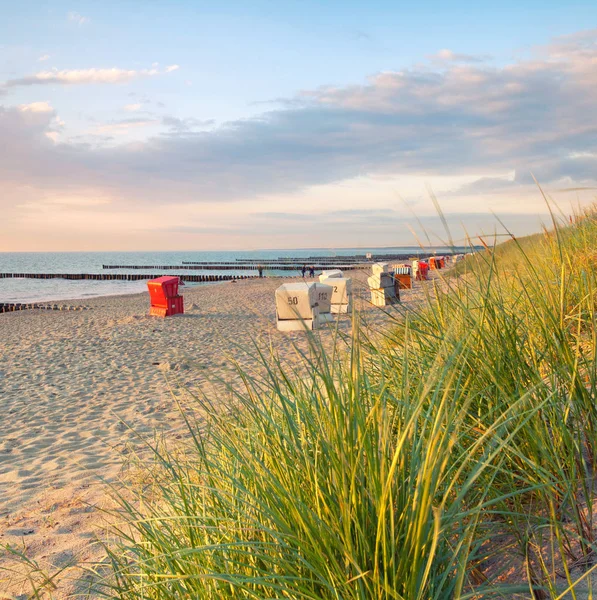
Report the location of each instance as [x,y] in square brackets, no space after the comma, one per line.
[164,297]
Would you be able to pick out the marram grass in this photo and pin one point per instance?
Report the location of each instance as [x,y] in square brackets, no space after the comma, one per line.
[453,458]
[335,486]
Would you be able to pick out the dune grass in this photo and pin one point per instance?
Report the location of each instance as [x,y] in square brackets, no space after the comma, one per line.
[452,458]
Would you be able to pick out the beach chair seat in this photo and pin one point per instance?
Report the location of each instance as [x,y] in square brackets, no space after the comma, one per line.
[324,293]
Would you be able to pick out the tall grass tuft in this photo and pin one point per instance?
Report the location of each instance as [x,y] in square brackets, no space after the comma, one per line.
[452,458]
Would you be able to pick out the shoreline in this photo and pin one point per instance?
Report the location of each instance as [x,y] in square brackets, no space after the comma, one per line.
[187,285]
[102,295]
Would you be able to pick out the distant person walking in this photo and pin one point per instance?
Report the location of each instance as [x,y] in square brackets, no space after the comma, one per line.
[260,270]
[311,271]
[304,270]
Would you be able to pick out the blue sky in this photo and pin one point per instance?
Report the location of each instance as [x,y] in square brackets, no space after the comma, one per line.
[270,124]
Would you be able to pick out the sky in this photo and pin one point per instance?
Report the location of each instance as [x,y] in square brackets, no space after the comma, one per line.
[195,125]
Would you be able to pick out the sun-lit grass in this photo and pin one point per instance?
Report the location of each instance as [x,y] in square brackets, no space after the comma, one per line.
[452,459]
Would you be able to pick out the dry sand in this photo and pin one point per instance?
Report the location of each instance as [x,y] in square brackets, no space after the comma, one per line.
[77,389]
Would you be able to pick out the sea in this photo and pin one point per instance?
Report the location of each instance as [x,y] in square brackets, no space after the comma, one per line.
[25,290]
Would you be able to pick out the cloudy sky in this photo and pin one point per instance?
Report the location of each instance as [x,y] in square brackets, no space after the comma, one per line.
[280,124]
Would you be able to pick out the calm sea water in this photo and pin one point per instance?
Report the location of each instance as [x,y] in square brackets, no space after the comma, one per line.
[41,290]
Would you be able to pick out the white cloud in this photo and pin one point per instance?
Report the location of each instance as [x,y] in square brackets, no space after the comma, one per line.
[124,126]
[446,55]
[75,17]
[43,58]
[132,107]
[80,76]
[42,114]
[83,76]
[583,155]
[36,107]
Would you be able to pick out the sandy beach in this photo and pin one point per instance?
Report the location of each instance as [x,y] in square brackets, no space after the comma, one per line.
[79,390]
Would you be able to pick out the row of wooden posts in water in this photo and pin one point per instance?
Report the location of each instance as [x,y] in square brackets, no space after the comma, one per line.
[228,267]
[120,277]
[346,263]
[14,306]
[329,261]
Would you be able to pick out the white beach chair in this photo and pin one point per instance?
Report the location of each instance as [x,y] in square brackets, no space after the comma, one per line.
[296,307]
[378,268]
[380,281]
[381,285]
[415,268]
[341,295]
[331,274]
